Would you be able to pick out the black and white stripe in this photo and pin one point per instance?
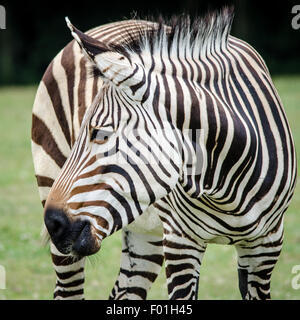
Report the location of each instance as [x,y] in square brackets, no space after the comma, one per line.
[189,122]
[66,91]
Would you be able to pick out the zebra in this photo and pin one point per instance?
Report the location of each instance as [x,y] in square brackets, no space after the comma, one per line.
[64,94]
[230,184]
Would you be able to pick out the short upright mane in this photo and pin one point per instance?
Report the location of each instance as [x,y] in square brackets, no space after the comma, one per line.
[182,34]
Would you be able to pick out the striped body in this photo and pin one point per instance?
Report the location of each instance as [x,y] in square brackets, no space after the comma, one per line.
[201,105]
[66,90]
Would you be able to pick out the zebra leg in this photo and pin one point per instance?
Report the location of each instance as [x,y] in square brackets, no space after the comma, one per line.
[70,275]
[183,260]
[256,261]
[141,261]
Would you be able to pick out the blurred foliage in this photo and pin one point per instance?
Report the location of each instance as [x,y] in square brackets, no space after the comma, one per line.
[36,30]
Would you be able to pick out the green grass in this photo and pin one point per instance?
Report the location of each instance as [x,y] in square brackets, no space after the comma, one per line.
[29,273]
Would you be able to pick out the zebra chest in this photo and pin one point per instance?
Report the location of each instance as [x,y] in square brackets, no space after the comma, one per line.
[205,221]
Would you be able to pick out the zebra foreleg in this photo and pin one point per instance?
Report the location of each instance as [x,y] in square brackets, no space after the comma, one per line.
[141,261]
[256,262]
[183,260]
[70,276]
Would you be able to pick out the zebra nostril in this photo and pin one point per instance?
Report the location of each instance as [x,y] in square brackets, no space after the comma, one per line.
[56,226]
[57,222]
[85,244]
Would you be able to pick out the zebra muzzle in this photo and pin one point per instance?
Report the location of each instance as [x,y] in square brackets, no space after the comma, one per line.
[85,244]
[70,236]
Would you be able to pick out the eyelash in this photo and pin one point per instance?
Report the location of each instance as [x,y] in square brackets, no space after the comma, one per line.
[104,135]
[94,134]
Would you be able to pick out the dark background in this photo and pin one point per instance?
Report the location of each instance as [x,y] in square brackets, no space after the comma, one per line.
[36,30]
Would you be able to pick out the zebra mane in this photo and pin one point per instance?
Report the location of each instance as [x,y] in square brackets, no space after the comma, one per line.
[181,34]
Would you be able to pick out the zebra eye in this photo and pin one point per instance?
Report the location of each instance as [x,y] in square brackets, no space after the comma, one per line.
[100,136]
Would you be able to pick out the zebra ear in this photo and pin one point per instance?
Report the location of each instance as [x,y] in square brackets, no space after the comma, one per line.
[113,65]
[90,46]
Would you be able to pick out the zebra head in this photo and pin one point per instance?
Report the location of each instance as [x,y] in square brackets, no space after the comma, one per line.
[125,158]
